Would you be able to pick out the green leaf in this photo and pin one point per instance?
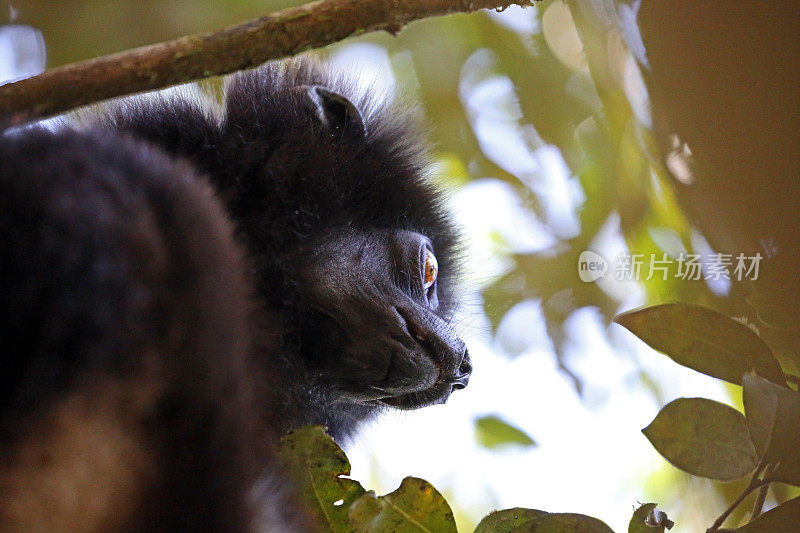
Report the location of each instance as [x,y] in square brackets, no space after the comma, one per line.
[637,525]
[784,518]
[704,340]
[773,419]
[704,438]
[563,523]
[415,506]
[493,432]
[506,520]
[643,520]
[315,464]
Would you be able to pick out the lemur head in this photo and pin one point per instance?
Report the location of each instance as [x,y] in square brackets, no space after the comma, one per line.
[350,241]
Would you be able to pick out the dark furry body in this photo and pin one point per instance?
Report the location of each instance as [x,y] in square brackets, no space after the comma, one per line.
[159,262]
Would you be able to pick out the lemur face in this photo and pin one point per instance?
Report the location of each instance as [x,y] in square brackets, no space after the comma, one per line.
[374,326]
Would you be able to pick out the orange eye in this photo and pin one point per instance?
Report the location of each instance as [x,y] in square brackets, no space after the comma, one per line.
[431,270]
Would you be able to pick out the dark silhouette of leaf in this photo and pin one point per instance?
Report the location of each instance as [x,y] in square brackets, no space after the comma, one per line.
[704,340]
[773,419]
[704,438]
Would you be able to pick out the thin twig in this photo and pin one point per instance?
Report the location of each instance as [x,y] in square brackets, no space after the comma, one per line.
[192,57]
[758,506]
[755,483]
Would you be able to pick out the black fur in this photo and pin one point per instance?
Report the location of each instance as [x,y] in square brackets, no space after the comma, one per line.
[290,295]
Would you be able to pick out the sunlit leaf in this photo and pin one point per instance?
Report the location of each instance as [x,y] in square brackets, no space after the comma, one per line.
[493,432]
[563,523]
[507,520]
[704,340]
[773,419]
[315,464]
[784,518]
[704,438]
[414,507]
[648,519]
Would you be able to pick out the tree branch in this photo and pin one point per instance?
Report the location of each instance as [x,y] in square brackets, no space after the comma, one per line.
[192,57]
[755,483]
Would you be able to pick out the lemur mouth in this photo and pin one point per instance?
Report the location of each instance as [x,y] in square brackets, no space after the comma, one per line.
[437,394]
[411,401]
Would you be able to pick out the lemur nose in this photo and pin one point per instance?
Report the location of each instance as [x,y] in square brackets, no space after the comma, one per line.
[463,373]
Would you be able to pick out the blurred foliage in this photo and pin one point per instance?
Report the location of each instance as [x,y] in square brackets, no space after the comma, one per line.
[680,140]
[493,432]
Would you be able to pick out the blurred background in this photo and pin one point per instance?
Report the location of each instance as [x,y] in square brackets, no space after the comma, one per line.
[651,134]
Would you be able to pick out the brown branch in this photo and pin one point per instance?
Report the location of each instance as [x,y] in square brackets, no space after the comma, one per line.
[192,57]
[755,483]
[758,505]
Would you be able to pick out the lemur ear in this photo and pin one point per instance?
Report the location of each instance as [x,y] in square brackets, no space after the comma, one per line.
[334,110]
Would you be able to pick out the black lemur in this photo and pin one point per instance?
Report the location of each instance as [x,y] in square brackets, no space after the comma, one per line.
[180,286]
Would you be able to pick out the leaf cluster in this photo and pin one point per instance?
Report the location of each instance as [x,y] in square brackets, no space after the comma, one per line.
[713,440]
[336,503]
